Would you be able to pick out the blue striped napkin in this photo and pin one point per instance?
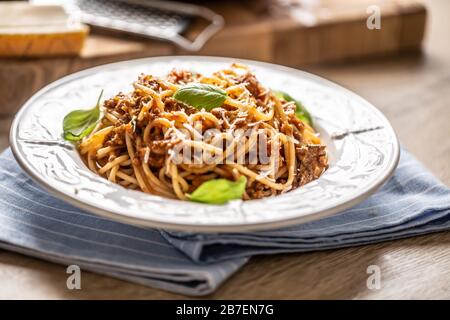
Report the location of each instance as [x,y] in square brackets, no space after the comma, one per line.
[35,223]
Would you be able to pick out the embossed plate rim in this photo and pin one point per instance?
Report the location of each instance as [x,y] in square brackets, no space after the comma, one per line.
[230,226]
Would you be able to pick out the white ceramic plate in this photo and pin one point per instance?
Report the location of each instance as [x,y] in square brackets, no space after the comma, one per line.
[359,163]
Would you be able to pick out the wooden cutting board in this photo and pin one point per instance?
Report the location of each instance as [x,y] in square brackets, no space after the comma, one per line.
[277,31]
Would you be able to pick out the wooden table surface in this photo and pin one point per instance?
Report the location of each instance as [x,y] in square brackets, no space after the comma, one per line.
[414,93]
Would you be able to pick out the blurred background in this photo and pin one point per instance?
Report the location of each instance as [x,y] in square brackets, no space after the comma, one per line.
[395,53]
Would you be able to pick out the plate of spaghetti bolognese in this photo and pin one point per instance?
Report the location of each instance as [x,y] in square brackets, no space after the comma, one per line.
[204,143]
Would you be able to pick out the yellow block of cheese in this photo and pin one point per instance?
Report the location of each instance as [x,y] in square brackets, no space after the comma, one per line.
[28,30]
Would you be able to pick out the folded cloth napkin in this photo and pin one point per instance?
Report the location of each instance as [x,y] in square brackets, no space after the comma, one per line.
[35,223]
[412,202]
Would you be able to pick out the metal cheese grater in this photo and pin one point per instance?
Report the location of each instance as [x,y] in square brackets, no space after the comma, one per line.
[165,20]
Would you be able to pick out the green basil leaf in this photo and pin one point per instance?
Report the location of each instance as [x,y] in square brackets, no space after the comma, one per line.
[79,123]
[219,191]
[300,110]
[201,95]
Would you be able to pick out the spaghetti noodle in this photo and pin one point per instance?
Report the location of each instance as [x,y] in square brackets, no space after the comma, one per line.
[138,140]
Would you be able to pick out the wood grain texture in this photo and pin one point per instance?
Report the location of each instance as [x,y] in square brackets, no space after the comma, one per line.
[332,30]
[414,93]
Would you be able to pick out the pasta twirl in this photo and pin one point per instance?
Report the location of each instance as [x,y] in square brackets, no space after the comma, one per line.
[151,141]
